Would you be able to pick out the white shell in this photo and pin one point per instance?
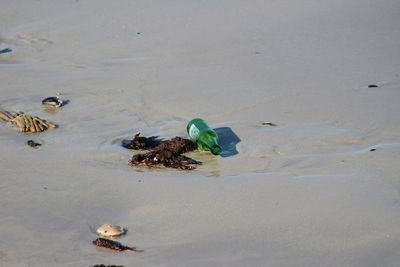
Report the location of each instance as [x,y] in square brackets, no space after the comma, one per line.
[110,230]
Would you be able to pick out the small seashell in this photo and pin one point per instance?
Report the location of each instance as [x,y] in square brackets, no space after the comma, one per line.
[53,101]
[110,230]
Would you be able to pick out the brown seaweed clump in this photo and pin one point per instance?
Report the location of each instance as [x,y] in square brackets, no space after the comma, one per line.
[113,245]
[141,142]
[177,145]
[169,155]
[165,158]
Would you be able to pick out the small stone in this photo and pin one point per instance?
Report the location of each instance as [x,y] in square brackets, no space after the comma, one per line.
[372,86]
[372,149]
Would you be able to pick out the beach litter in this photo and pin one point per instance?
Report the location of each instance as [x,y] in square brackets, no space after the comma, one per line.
[109,230]
[204,136]
[113,245]
[33,144]
[26,122]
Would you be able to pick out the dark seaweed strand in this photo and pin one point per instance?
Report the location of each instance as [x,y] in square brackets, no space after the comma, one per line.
[166,158]
[142,143]
[107,243]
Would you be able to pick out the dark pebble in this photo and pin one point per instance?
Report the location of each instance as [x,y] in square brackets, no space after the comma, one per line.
[372,86]
[33,144]
[372,149]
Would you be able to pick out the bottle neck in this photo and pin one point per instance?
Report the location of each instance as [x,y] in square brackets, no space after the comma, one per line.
[211,146]
[216,150]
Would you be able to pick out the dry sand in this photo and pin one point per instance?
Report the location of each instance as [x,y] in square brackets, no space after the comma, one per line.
[308,192]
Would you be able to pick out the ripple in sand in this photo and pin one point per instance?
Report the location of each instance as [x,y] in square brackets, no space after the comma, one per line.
[17,49]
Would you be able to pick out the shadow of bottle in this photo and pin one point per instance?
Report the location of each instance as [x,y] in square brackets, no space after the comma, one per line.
[227,140]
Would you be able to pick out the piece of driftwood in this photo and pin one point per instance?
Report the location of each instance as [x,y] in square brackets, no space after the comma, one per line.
[26,122]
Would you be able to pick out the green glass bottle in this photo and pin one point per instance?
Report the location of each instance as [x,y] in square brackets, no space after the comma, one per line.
[205,137]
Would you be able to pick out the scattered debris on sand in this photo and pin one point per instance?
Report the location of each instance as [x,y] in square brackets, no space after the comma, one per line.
[165,153]
[53,101]
[6,50]
[269,124]
[33,144]
[26,122]
[110,244]
[109,230]
[142,143]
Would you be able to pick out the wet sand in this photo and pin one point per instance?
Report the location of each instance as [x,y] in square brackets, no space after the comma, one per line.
[321,188]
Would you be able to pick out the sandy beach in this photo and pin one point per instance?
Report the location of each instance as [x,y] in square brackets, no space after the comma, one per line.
[318,188]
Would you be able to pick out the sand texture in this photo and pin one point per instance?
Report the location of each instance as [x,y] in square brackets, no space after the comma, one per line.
[319,186]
